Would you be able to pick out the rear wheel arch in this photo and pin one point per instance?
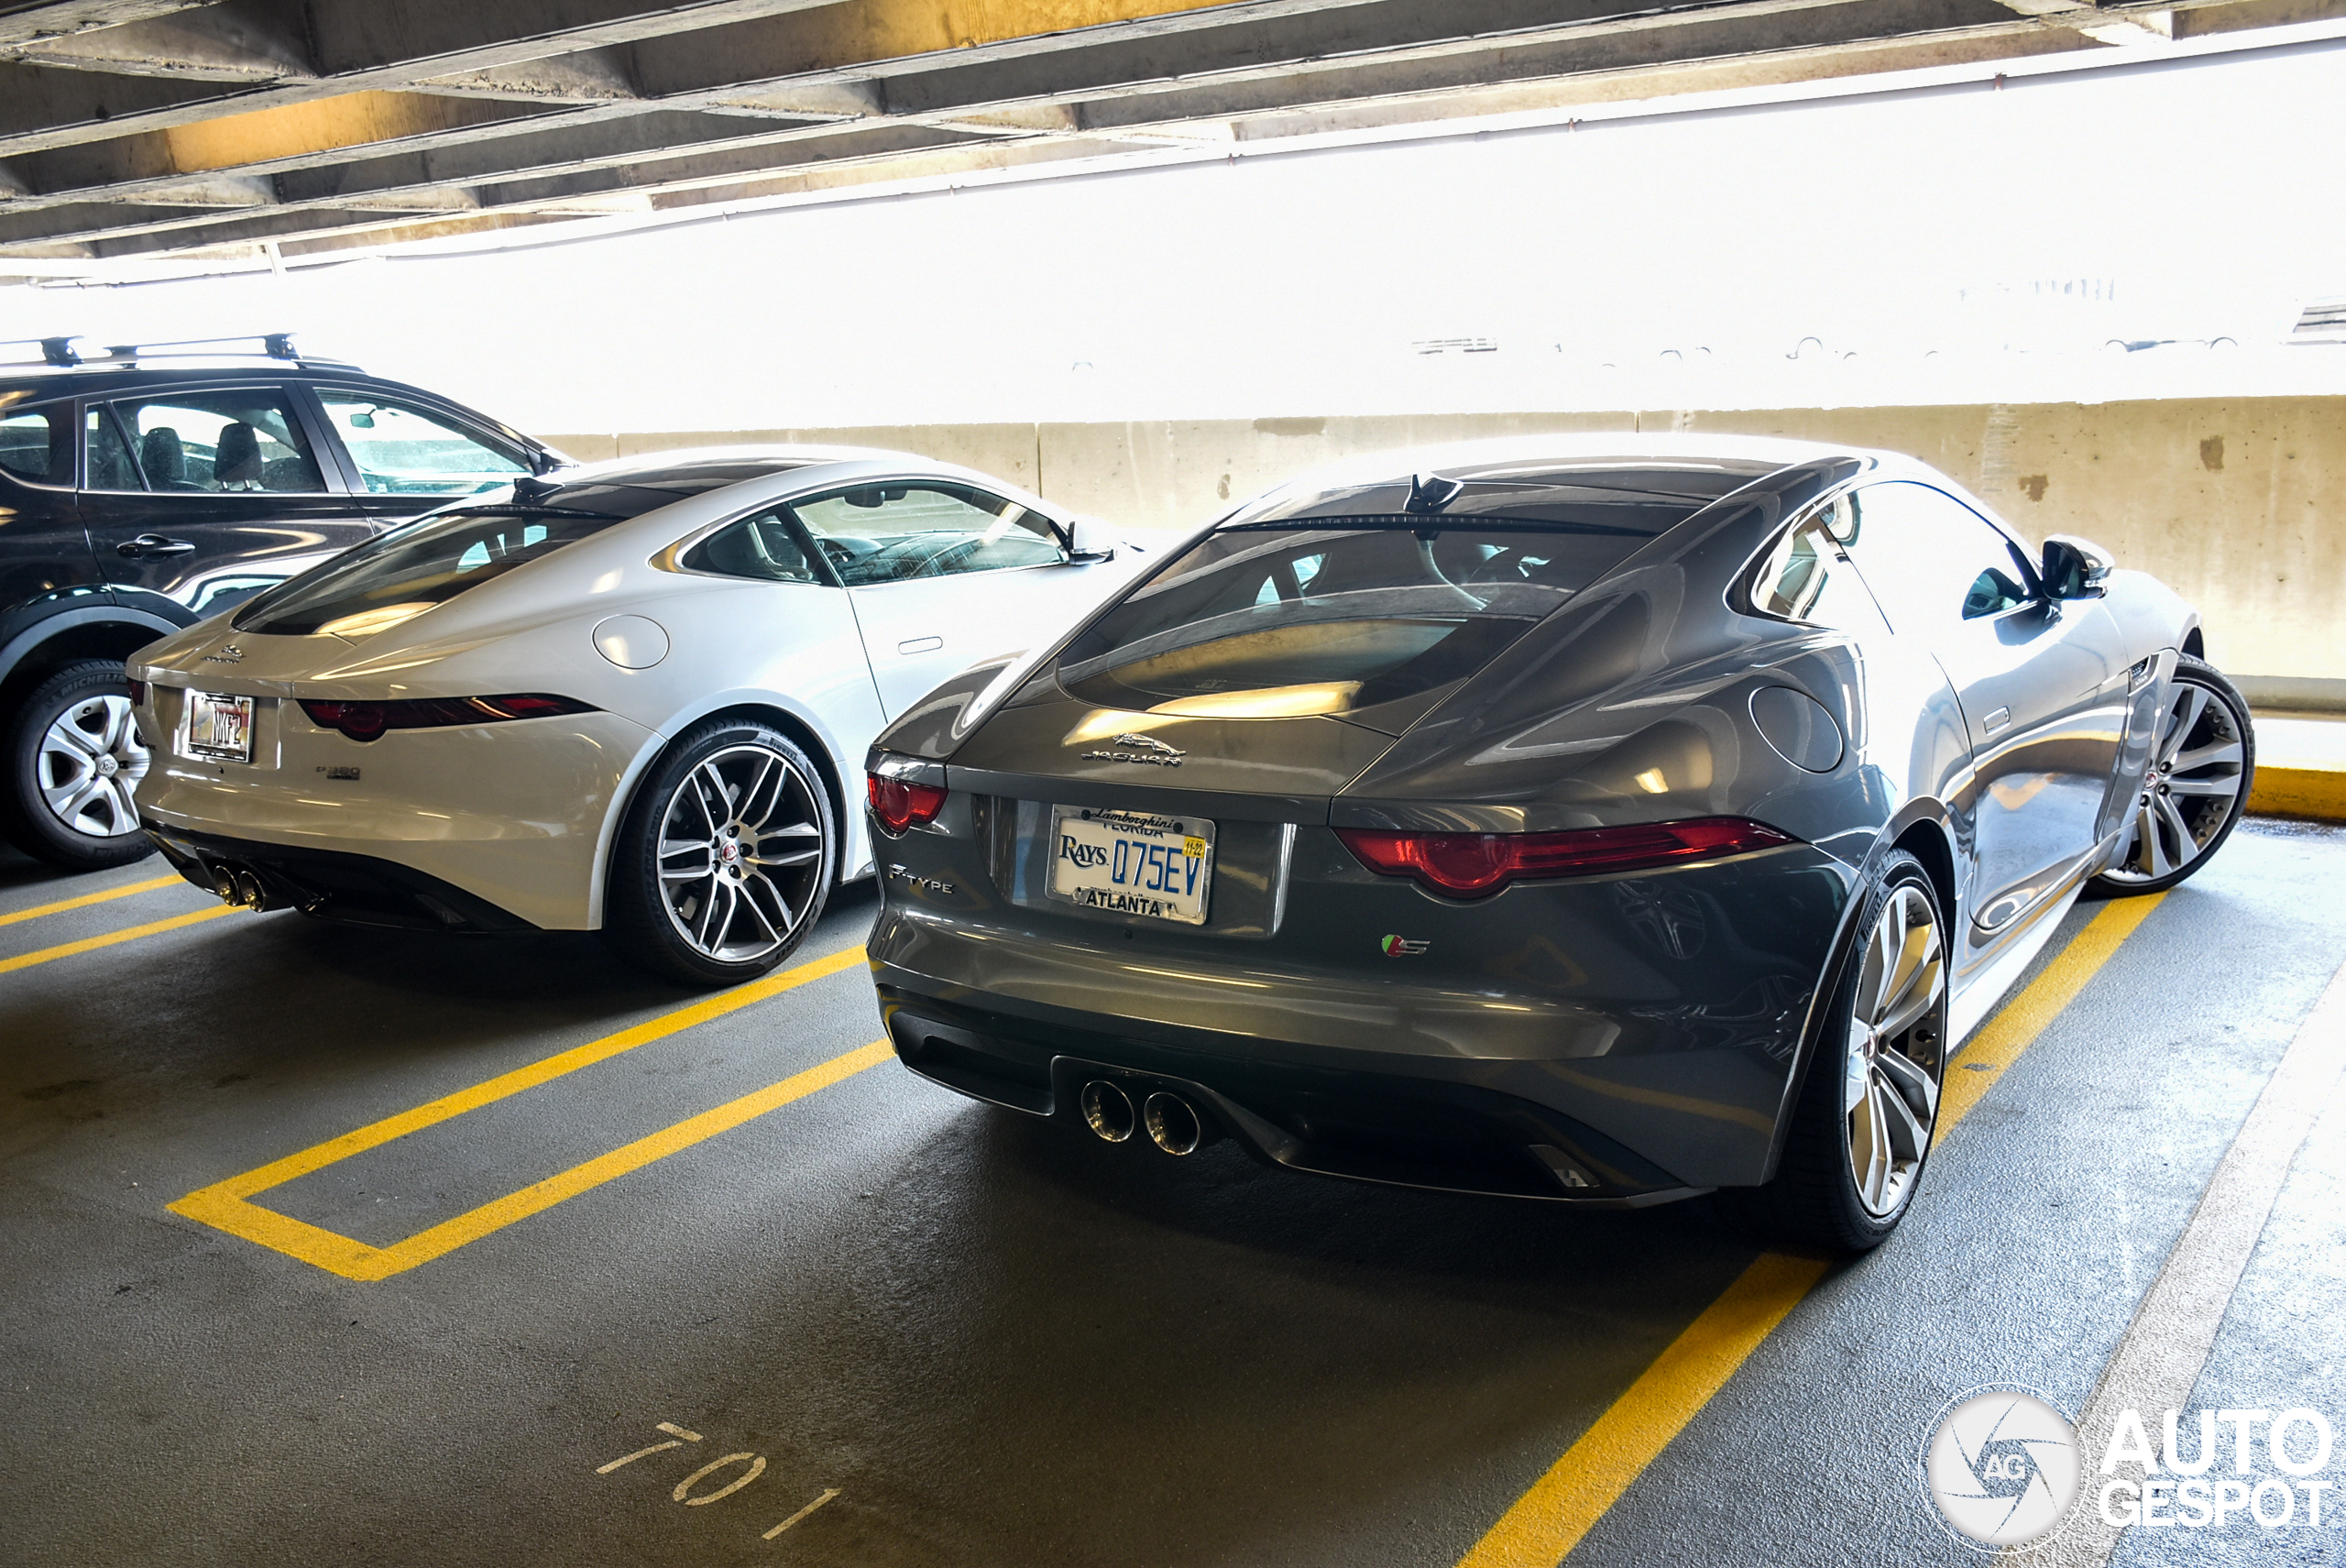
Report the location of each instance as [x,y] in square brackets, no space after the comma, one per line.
[48,646]
[1927,840]
[1921,831]
[801,734]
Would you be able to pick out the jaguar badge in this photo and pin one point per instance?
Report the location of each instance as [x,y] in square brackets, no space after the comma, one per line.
[1145,749]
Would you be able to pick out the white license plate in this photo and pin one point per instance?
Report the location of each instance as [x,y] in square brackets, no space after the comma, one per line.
[216,727]
[1132,862]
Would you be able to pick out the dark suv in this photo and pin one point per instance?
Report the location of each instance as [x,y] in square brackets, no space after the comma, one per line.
[144,490]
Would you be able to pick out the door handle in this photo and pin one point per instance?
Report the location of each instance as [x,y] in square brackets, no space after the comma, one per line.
[1998,721]
[148,545]
[920,645]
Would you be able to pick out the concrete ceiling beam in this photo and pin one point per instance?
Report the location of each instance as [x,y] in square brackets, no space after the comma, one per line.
[46,19]
[232,41]
[377,45]
[297,136]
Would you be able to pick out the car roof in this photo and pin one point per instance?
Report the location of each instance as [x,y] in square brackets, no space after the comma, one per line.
[1664,464]
[101,376]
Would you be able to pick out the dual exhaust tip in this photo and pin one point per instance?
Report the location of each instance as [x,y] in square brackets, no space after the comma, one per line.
[239,888]
[1171,1123]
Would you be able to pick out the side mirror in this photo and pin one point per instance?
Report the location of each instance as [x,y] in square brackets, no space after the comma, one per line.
[1080,554]
[2073,568]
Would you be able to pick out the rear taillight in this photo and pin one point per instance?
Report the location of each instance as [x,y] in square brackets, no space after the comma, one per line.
[899,805]
[1471,865]
[366,721]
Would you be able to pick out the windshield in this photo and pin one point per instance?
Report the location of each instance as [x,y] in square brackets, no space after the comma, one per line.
[1275,620]
[406,571]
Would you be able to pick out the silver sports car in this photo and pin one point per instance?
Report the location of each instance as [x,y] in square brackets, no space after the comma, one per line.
[1604,819]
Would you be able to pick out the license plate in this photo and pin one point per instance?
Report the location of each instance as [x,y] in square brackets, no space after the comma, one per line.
[217,728]
[1132,862]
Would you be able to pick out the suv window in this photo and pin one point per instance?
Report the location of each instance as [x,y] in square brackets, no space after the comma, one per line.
[242,438]
[1932,561]
[401,450]
[889,534]
[763,547]
[31,447]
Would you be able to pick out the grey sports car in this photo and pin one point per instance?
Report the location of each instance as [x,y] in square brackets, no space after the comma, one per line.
[1599,819]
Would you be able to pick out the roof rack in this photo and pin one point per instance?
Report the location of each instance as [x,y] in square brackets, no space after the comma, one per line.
[66,352]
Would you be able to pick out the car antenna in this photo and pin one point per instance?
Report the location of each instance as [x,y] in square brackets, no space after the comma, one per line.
[1429,493]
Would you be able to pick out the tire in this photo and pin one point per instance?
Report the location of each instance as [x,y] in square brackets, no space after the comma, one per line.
[752,851]
[1862,1129]
[73,761]
[2194,787]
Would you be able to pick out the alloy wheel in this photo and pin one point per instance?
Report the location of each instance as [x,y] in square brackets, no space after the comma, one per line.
[740,854]
[2190,788]
[1895,1053]
[89,765]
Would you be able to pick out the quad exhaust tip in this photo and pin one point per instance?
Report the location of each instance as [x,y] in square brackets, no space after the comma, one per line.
[1173,1124]
[1107,1111]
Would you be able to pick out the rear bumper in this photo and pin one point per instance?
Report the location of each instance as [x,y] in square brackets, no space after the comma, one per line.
[1556,1022]
[332,884]
[1406,1132]
[514,815]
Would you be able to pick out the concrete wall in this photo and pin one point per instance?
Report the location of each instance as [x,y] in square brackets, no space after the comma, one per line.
[2239,504]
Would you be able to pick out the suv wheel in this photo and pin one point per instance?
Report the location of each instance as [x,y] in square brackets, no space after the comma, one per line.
[73,759]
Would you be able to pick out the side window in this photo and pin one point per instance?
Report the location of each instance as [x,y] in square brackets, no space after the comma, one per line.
[1933,561]
[762,547]
[31,447]
[892,534]
[239,439]
[106,460]
[400,450]
[1807,577]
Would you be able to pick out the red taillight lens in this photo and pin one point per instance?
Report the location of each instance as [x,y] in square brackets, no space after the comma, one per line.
[1470,865]
[899,805]
[366,721]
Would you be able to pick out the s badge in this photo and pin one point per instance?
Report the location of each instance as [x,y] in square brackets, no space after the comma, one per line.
[1401,948]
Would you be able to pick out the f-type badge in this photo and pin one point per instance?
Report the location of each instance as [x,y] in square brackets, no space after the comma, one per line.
[1146,748]
[227,653]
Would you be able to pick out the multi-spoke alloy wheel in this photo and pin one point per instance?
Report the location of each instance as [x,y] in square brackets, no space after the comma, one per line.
[727,858]
[73,761]
[2194,786]
[1891,1065]
[740,853]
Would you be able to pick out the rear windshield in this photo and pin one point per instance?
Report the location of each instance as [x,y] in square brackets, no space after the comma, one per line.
[430,560]
[1269,619]
[406,571]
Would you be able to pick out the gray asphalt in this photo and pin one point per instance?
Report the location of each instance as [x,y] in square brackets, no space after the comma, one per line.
[998,1343]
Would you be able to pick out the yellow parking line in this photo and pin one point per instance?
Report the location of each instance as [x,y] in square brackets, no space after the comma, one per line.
[1544,1525]
[225,1205]
[87,899]
[90,944]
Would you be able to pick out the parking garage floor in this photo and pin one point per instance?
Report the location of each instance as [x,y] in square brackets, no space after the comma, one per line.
[493,1251]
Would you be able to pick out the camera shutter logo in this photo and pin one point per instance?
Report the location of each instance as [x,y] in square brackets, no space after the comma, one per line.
[2001,1467]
